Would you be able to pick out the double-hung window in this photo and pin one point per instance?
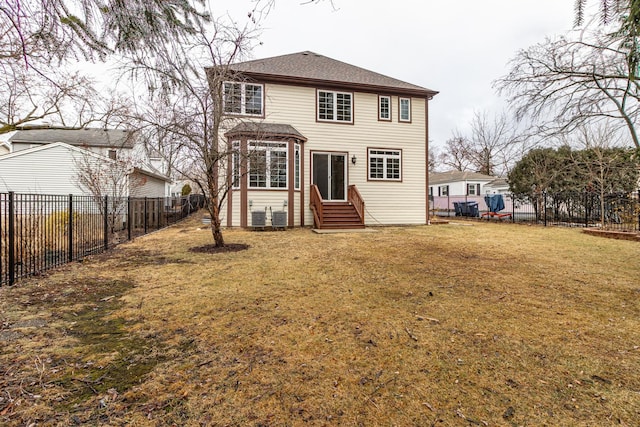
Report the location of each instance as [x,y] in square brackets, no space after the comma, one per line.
[384,108]
[385,165]
[267,165]
[335,106]
[473,189]
[405,109]
[243,99]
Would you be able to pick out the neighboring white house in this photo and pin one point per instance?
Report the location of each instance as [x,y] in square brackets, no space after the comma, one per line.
[497,186]
[27,169]
[53,169]
[458,183]
[334,145]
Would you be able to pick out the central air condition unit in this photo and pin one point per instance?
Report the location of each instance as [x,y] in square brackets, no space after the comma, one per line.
[279,219]
[259,219]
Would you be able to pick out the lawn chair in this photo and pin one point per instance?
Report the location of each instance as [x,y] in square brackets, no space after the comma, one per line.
[495,204]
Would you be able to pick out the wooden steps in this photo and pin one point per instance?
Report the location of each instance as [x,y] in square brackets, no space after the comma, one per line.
[340,215]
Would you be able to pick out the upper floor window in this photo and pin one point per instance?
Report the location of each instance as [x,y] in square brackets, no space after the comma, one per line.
[335,106]
[113,154]
[243,99]
[385,165]
[384,108]
[405,109]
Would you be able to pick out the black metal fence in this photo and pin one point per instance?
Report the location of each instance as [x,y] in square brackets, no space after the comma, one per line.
[620,212]
[39,232]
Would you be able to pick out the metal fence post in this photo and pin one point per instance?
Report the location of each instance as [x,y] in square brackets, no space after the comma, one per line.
[70,229]
[12,240]
[586,209]
[106,222]
[145,215]
[129,218]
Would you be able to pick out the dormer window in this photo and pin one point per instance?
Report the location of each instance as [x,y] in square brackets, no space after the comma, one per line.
[335,106]
[243,99]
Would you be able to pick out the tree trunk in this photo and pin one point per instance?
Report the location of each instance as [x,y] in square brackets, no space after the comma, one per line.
[216,228]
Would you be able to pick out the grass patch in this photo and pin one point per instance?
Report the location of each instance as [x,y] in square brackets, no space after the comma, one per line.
[490,324]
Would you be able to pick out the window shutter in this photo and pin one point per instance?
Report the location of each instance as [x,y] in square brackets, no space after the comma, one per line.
[477,189]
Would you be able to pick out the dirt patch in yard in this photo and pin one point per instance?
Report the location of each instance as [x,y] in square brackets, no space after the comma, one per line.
[213,249]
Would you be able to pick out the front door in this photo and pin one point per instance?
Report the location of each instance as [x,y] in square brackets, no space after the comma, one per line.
[329,174]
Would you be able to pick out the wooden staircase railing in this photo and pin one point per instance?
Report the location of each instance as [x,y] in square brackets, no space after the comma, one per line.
[356,200]
[335,214]
[316,206]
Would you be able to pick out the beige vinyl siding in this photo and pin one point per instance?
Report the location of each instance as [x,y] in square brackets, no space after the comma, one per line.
[266,199]
[48,171]
[386,202]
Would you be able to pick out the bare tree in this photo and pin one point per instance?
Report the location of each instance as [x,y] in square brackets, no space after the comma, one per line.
[456,153]
[188,128]
[69,99]
[491,148]
[114,178]
[608,167]
[562,84]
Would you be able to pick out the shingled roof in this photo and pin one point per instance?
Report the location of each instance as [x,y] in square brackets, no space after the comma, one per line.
[266,129]
[90,137]
[309,68]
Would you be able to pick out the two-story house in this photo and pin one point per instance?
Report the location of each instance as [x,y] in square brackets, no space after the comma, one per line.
[332,144]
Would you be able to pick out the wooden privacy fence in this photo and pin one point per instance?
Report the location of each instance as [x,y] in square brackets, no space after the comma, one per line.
[39,232]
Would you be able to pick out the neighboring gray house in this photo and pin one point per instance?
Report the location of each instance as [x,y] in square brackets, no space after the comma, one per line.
[45,161]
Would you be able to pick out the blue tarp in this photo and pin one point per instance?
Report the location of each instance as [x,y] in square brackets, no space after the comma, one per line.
[495,203]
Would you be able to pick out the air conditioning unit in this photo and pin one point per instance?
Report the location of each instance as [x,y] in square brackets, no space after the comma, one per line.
[258,219]
[279,219]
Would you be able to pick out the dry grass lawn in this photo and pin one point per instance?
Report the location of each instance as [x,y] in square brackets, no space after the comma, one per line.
[449,325]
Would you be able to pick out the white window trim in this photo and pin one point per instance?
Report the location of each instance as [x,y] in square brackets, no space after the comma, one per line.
[235,164]
[335,106]
[243,100]
[297,149]
[400,119]
[388,98]
[385,158]
[268,147]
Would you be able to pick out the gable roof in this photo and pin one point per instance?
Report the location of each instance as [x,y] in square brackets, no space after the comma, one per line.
[91,137]
[52,146]
[309,68]
[436,178]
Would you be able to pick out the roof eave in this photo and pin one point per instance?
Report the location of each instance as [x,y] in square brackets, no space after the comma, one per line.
[361,87]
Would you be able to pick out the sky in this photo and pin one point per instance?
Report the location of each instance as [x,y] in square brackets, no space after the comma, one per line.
[457,48]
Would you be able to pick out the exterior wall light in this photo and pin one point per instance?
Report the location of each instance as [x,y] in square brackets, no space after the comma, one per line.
[353,159]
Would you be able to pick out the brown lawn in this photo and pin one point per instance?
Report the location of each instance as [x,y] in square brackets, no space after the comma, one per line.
[448,325]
